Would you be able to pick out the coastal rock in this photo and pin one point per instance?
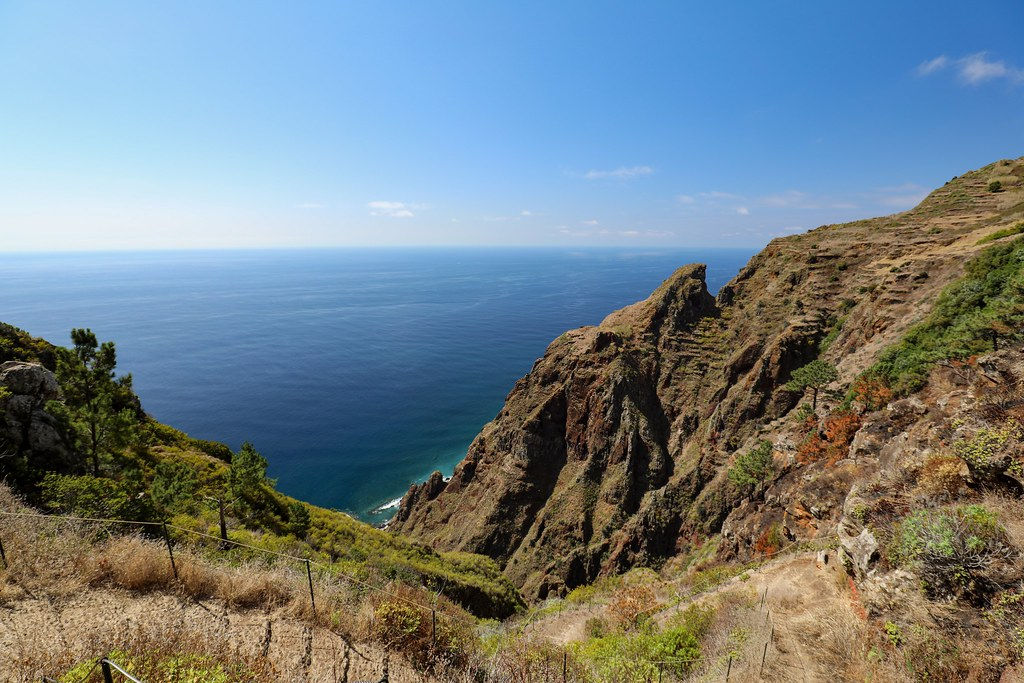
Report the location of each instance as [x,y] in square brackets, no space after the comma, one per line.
[419,493]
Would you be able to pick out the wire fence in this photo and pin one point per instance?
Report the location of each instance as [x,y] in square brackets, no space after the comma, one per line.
[565,670]
[305,561]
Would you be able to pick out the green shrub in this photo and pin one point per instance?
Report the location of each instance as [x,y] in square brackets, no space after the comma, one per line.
[298,519]
[836,329]
[595,627]
[629,657]
[174,486]
[995,186]
[950,549]
[753,467]
[587,593]
[989,452]
[89,496]
[426,642]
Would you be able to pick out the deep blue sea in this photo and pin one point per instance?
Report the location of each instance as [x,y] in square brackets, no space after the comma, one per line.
[355,371]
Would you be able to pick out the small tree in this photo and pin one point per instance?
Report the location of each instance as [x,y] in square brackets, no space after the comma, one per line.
[995,186]
[753,467]
[248,471]
[174,485]
[95,401]
[814,375]
[298,519]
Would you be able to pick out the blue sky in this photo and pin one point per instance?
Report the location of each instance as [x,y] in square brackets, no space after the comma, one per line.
[221,124]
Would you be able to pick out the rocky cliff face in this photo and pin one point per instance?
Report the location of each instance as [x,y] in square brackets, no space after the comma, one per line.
[26,429]
[613,451]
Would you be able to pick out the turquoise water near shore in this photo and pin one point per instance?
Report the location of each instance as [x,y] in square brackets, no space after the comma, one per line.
[355,371]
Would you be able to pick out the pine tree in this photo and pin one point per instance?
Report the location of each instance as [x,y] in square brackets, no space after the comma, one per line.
[814,375]
[248,471]
[95,401]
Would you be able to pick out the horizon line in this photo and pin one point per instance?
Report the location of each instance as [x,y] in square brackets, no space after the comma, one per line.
[129,250]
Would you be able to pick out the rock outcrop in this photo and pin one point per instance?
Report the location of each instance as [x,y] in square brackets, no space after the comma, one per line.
[26,428]
[613,451]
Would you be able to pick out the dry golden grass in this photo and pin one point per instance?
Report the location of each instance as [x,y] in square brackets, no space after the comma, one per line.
[65,562]
[154,652]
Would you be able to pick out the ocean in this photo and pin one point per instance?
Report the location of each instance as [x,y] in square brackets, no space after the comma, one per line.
[356,372]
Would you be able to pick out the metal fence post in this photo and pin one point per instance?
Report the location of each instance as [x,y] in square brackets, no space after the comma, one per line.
[763,655]
[108,677]
[167,540]
[3,555]
[728,670]
[433,628]
[309,577]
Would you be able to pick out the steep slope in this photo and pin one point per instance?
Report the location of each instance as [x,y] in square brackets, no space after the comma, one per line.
[614,450]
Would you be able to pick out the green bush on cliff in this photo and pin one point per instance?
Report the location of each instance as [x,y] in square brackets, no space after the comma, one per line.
[632,656]
[968,319]
[89,496]
[752,467]
[17,344]
[950,549]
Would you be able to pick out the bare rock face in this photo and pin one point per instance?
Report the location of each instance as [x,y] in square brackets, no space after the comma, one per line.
[28,379]
[24,424]
[614,450]
[862,551]
[418,494]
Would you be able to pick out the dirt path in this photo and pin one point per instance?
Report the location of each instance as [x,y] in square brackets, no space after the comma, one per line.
[807,618]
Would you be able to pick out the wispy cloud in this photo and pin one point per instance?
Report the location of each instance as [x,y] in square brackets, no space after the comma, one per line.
[651,234]
[525,213]
[620,173]
[718,194]
[592,221]
[786,199]
[602,234]
[973,69]
[742,210]
[390,209]
[932,65]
